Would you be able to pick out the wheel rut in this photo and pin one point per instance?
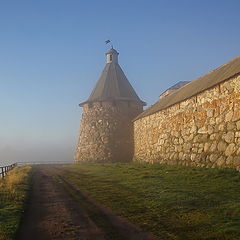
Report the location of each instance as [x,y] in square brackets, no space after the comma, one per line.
[59,210]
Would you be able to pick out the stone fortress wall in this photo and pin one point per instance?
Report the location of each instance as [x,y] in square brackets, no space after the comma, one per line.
[106,131]
[203,130]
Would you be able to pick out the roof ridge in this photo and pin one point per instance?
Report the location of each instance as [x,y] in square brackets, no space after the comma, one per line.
[105,86]
[198,85]
[116,79]
[216,69]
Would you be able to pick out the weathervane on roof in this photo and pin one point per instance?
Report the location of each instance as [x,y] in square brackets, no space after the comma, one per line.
[109,41]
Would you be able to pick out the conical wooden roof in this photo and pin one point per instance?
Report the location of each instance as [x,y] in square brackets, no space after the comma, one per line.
[113,85]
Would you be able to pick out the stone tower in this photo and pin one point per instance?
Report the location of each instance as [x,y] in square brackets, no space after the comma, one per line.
[106,131]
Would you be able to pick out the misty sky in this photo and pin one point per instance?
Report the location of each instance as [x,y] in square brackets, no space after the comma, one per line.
[52,53]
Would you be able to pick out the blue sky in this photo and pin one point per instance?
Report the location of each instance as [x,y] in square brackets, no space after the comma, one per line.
[52,53]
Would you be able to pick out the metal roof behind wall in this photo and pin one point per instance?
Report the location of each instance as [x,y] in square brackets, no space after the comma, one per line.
[174,87]
[196,86]
[113,85]
[177,85]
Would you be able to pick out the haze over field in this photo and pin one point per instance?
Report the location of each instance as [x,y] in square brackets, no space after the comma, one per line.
[52,53]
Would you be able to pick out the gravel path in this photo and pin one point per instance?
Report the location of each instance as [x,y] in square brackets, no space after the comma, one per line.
[52,213]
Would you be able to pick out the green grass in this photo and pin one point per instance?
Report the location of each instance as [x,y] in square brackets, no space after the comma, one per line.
[13,193]
[172,202]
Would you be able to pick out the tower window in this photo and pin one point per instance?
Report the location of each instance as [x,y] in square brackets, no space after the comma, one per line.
[110,57]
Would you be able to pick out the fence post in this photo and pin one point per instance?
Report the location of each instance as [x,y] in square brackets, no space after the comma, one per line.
[4,170]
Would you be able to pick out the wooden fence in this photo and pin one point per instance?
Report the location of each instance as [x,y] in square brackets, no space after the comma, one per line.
[4,170]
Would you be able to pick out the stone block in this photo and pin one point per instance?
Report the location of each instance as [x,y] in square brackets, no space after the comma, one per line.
[230,150]
[193,129]
[210,129]
[231,126]
[238,125]
[200,138]
[207,146]
[236,161]
[222,127]
[213,147]
[213,157]
[229,137]
[229,161]
[210,113]
[181,140]
[181,155]
[215,136]
[237,134]
[200,150]
[236,115]
[193,156]
[203,130]
[229,116]
[222,146]
[220,162]
[219,119]
[238,151]
[212,121]
[187,147]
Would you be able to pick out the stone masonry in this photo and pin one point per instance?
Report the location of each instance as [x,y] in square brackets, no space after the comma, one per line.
[203,130]
[106,133]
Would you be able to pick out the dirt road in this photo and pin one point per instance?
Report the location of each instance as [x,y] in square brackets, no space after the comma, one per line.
[53,213]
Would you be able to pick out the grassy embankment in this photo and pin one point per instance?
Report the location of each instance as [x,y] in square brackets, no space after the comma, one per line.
[13,193]
[172,202]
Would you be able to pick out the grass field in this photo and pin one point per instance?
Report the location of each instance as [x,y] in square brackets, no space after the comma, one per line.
[13,192]
[172,202]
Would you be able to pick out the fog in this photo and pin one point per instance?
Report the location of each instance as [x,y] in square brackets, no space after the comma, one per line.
[33,153]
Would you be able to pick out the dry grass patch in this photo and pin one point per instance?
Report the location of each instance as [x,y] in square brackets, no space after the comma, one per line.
[13,192]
